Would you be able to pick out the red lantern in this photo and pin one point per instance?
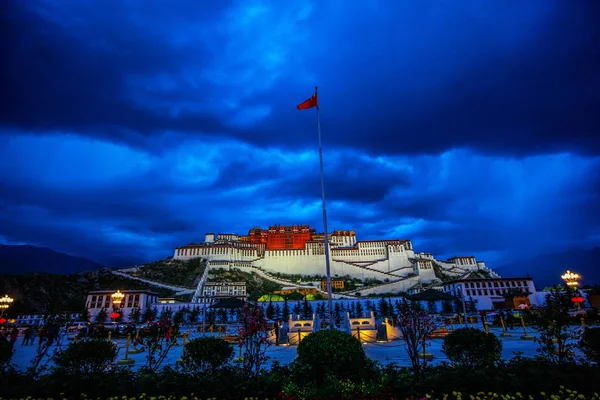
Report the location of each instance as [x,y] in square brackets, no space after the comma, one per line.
[115,315]
[578,299]
[2,320]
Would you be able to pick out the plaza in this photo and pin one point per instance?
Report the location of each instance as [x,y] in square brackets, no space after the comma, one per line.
[392,351]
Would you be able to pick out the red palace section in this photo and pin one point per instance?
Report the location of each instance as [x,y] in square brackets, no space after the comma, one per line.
[282,237]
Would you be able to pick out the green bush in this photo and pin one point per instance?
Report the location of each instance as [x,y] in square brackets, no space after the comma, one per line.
[472,348]
[590,344]
[331,354]
[87,357]
[206,354]
[6,352]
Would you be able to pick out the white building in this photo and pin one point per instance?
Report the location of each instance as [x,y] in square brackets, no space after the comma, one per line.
[488,293]
[101,299]
[218,290]
[300,250]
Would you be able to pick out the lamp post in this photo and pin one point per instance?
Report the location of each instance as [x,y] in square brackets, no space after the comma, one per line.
[5,303]
[571,279]
[117,300]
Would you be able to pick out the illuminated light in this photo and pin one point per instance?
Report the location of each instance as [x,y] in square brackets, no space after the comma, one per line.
[570,278]
[115,315]
[117,297]
[6,301]
[578,299]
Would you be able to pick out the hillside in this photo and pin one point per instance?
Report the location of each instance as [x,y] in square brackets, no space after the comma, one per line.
[256,286]
[36,293]
[174,272]
[18,259]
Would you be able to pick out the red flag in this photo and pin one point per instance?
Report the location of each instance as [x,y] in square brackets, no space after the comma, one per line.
[310,103]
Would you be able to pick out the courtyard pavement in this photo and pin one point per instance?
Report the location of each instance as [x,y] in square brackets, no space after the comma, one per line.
[384,352]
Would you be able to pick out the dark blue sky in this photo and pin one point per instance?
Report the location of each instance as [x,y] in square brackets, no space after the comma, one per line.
[130,127]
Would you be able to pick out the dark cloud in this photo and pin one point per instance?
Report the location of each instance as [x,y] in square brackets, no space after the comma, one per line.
[474,76]
[131,128]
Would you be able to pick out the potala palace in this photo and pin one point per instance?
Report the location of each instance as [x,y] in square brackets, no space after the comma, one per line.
[299,250]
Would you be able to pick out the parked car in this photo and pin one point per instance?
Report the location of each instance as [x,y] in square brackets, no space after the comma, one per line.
[75,327]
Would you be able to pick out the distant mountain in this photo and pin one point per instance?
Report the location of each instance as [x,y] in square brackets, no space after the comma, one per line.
[18,259]
[546,269]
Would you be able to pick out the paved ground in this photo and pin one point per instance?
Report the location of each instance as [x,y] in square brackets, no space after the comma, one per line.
[384,352]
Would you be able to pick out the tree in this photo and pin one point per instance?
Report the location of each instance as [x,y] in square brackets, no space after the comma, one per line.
[135,315]
[296,310]
[431,307]
[253,339]
[166,313]
[370,306]
[384,309]
[359,309]
[471,305]
[206,355]
[85,315]
[391,307]
[86,357]
[307,309]
[416,325]
[553,321]
[447,307]
[337,313]
[270,311]
[321,310]
[295,296]
[329,355]
[472,348]
[277,311]
[101,316]
[286,310]
[147,315]
[458,307]
[194,315]
[179,316]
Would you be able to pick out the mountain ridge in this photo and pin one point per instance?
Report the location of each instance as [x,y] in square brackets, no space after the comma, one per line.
[546,269]
[20,259]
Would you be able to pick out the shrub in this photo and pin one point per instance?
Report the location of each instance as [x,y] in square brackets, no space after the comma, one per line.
[331,354]
[472,348]
[590,344]
[206,354]
[87,357]
[6,352]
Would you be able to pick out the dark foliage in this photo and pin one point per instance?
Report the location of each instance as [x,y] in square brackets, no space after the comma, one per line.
[472,348]
[331,354]
[86,357]
[206,355]
[6,352]
[590,344]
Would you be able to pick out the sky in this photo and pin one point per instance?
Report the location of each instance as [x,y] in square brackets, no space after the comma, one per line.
[130,127]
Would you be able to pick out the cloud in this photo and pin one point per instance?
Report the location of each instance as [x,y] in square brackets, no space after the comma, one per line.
[487,77]
[131,128]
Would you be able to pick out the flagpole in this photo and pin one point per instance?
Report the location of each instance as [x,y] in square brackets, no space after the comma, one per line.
[326,234]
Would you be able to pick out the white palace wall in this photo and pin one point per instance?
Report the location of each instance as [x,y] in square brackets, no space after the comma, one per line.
[378,259]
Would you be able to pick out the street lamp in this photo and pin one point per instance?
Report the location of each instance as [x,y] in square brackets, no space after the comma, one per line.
[570,278]
[117,298]
[5,302]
